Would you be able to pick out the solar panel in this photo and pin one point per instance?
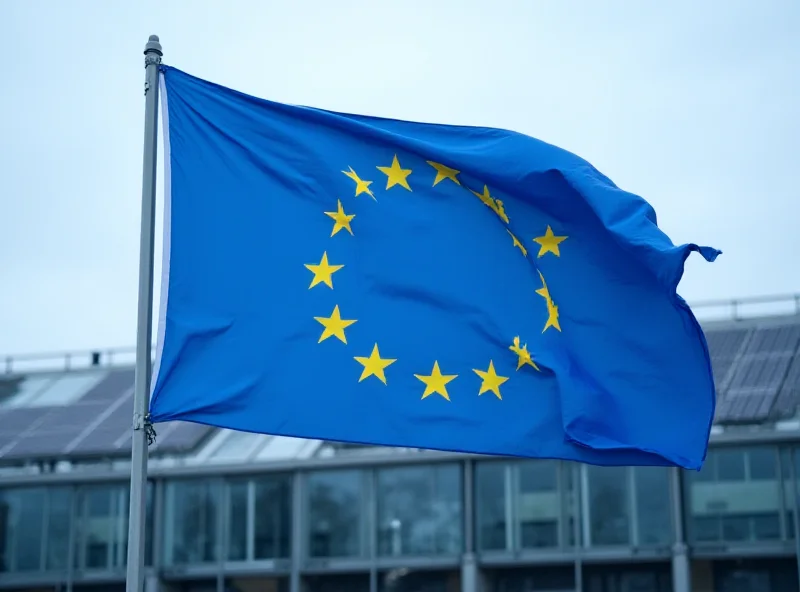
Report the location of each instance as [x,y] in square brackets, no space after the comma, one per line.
[35,445]
[102,440]
[180,436]
[760,371]
[782,339]
[725,343]
[745,405]
[20,390]
[78,415]
[789,396]
[721,368]
[7,438]
[19,420]
[110,388]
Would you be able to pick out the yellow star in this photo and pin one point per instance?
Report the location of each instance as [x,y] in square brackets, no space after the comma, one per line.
[495,204]
[395,175]
[444,172]
[374,365]
[334,326]
[323,272]
[361,185]
[549,242]
[552,309]
[491,381]
[340,219]
[435,383]
[518,244]
[524,355]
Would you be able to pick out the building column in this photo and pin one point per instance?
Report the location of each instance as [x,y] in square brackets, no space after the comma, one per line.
[681,570]
[297,531]
[469,573]
[469,561]
[153,584]
[681,573]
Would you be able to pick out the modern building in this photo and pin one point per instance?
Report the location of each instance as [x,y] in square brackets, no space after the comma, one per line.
[231,511]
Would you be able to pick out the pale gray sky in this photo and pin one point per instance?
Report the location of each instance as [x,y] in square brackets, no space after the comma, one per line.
[693,105]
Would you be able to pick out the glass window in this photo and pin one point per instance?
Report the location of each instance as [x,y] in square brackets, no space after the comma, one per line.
[653,507]
[237,521]
[730,465]
[419,510]
[102,526]
[609,504]
[59,513]
[762,464]
[490,504]
[273,519]
[538,503]
[336,510]
[788,489]
[21,529]
[190,521]
[741,502]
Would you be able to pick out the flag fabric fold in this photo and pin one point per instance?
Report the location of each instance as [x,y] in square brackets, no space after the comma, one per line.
[376,281]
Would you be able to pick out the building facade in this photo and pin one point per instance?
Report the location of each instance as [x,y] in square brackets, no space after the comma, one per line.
[230,511]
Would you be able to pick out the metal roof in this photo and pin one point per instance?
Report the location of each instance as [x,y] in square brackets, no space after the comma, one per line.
[85,414]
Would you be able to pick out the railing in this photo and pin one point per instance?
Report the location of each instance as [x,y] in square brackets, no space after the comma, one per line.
[743,308]
[736,309]
[74,360]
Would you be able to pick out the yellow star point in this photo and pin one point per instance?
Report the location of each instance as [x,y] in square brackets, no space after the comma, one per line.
[494,204]
[362,186]
[323,273]
[340,219]
[549,243]
[436,382]
[491,380]
[444,172]
[524,356]
[395,175]
[334,326]
[552,309]
[374,365]
[518,244]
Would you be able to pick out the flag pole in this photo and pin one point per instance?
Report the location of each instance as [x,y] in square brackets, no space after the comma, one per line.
[144,323]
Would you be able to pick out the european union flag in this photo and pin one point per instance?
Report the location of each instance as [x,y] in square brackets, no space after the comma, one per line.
[375,281]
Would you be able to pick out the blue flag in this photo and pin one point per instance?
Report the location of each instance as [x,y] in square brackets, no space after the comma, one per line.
[376,281]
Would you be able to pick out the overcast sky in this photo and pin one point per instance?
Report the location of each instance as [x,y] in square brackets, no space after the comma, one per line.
[693,105]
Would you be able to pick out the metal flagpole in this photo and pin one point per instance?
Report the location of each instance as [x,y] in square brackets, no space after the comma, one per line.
[141,394]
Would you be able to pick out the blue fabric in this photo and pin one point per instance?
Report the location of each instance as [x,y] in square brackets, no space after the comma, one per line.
[437,272]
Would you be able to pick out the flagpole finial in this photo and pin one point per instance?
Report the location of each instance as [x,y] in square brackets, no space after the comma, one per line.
[153,46]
